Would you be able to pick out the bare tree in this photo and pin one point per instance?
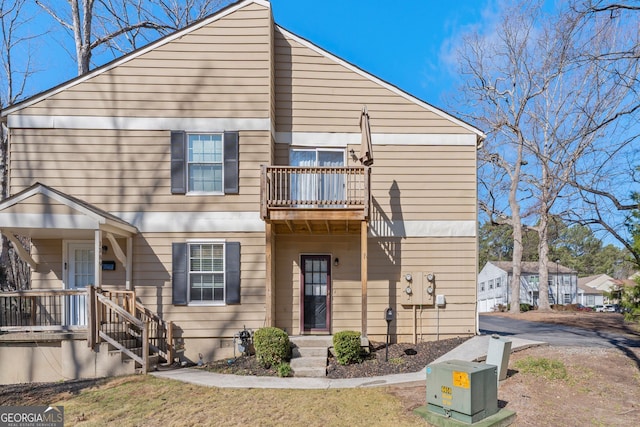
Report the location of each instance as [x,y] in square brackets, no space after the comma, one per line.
[499,89]
[604,196]
[79,19]
[123,25]
[17,67]
[547,110]
[172,15]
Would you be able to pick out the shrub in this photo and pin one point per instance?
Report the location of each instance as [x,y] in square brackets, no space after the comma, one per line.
[284,370]
[347,346]
[525,307]
[272,346]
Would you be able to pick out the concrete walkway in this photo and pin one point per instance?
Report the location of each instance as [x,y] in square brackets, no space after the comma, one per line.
[472,350]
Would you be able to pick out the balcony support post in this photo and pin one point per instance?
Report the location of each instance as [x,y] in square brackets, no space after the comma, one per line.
[363,273]
[269,274]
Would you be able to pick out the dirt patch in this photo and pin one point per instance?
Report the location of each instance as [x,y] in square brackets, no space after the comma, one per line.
[602,387]
[44,393]
[400,358]
[397,359]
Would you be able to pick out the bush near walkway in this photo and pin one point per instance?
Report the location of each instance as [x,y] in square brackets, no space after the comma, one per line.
[272,346]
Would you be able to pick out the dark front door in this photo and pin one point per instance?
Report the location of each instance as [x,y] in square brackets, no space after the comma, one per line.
[316,292]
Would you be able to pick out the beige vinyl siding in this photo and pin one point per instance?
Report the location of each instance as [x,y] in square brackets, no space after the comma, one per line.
[125,171]
[40,204]
[423,183]
[452,260]
[152,281]
[220,70]
[318,94]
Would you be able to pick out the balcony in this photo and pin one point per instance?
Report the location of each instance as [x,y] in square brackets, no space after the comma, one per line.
[315,199]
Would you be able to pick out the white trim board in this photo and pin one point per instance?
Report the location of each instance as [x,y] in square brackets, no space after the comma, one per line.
[328,139]
[422,229]
[137,123]
[48,221]
[207,222]
[193,222]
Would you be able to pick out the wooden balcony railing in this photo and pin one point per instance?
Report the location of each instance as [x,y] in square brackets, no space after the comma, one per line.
[293,187]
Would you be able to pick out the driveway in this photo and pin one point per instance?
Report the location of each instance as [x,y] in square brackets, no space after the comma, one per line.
[554,334]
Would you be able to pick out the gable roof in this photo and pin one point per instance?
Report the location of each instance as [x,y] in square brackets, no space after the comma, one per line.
[85,217]
[589,290]
[480,136]
[531,267]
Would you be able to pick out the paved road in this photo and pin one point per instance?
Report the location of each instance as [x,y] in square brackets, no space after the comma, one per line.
[555,335]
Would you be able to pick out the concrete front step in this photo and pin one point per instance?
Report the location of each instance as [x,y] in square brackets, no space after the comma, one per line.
[310,352]
[312,340]
[309,355]
[309,366]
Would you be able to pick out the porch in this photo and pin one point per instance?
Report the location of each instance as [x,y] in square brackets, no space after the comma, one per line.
[121,336]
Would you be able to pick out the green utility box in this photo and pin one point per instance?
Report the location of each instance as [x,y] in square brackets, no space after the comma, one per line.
[464,391]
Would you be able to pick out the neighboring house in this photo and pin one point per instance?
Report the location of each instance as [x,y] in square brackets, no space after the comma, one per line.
[216,180]
[609,287]
[601,282]
[494,283]
[588,296]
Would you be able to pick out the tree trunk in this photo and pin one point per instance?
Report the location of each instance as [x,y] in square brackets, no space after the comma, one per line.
[543,266]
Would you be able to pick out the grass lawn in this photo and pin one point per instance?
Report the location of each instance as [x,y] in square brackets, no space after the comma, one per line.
[150,401]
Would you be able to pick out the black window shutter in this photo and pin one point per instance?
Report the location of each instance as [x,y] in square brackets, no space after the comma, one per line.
[231,155]
[232,272]
[179,274]
[178,162]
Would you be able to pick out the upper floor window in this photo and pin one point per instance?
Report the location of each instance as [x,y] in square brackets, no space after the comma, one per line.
[491,284]
[482,286]
[498,282]
[204,163]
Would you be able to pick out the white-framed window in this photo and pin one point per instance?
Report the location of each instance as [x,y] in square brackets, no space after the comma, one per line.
[567,298]
[205,156]
[491,284]
[481,286]
[498,282]
[591,300]
[566,279]
[206,273]
[533,279]
[205,163]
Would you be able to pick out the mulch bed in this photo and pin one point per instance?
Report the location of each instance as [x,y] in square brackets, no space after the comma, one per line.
[401,358]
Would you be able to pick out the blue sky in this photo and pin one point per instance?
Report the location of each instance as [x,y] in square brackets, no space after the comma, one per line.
[402,42]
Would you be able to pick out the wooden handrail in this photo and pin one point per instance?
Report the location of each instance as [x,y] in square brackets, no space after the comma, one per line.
[43,293]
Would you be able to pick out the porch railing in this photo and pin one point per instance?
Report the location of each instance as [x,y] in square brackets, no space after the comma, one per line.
[129,326]
[160,332]
[107,316]
[311,187]
[43,310]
